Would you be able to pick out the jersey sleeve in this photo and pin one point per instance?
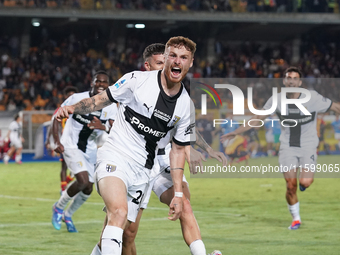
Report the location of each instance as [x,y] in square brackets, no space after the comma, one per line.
[122,90]
[69,101]
[113,111]
[322,103]
[185,130]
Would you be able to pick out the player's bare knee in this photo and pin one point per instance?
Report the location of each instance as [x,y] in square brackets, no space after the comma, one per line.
[117,216]
[129,236]
[88,189]
[291,187]
[306,182]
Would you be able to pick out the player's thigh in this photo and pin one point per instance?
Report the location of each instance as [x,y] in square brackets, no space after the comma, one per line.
[77,161]
[131,185]
[289,164]
[308,162]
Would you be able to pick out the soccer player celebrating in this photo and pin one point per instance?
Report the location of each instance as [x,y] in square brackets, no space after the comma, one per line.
[162,184]
[298,142]
[16,139]
[151,104]
[79,148]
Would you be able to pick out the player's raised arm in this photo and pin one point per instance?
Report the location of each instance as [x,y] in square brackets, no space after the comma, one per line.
[85,106]
[243,129]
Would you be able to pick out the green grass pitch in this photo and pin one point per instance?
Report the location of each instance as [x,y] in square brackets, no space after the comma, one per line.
[236,216]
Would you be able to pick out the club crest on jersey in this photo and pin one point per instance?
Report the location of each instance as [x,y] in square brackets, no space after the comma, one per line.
[110,168]
[118,84]
[190,129]
[80,164]
[174,121]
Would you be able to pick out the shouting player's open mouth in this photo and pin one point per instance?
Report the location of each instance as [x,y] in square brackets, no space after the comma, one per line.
[176,72]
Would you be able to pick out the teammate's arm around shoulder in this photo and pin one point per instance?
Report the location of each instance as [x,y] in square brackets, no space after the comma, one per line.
[85,106]
[177,160]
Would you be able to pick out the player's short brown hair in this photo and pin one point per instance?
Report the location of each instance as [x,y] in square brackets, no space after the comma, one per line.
[292,69]
[153,49]
[69,89]
[179,41]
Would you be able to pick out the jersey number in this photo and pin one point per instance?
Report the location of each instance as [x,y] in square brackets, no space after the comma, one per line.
[312,157]
[136,200]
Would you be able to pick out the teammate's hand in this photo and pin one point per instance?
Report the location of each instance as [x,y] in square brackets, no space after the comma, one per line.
[175,208]
[194,159]
[63,112]
[59,148]
[228,136]
[96,124]
[22,139]
[218,155]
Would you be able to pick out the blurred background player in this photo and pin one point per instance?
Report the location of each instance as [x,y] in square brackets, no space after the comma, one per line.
[79,148]
[16,139]
[237,148]
[64,178]
[298,144]
[226,128]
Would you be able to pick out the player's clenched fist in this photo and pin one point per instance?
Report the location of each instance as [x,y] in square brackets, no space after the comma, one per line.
[63,112]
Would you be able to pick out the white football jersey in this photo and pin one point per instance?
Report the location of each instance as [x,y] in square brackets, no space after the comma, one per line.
[15,129]
[146,114]
[76,133]
[305,133]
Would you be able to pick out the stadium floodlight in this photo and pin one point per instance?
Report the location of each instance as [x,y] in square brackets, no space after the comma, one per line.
[130,25]
[140,26]
[35,22]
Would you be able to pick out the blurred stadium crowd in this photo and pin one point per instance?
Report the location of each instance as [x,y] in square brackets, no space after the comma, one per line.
[186,5]
[36,80]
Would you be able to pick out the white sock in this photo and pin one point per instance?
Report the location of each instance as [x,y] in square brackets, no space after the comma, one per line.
[96,251]
[112,240]
[77,201]
[295,211]
[18,157]
[197,248]
[63,200]
[6,158]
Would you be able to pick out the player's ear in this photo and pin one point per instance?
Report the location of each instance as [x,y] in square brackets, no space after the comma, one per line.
[192,61]
[300,83]
[147,65]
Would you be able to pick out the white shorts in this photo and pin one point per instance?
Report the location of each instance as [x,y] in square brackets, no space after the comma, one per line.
[78,161]
[269,137]
[134,176]
[337,136]
[16,142]
[294,157]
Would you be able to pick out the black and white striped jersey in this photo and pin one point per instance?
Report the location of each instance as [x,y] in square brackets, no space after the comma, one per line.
[146,114]
[76,133]
[304,134]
